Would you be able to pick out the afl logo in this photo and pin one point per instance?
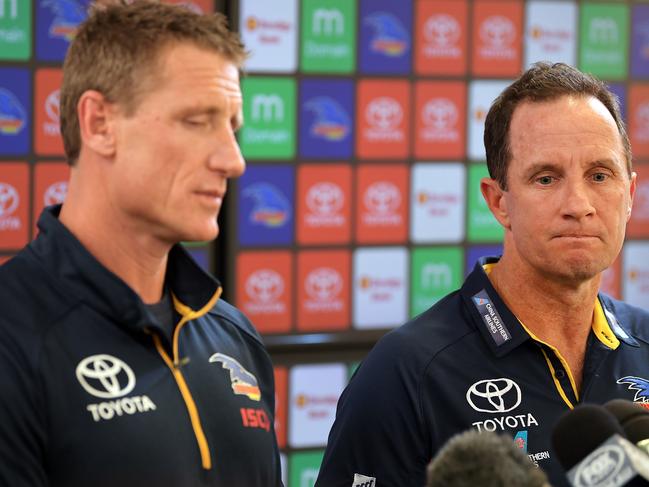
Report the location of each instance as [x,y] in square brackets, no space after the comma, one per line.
[105,376]
[494,395]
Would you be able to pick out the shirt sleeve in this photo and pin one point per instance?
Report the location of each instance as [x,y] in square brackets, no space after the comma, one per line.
[378,431]
[21,417]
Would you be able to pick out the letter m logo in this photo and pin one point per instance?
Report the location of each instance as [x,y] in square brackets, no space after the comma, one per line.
[328,22]
[267,108]
[603,30]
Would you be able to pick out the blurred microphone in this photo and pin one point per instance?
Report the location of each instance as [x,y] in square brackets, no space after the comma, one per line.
[485,459]
[591,446]
[634,420]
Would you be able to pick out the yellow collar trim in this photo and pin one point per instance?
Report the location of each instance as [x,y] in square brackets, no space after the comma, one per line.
[602,329]
[600,325]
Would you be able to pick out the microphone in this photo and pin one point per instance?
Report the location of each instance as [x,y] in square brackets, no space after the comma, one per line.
[634,419]
[591,446]
[484,459]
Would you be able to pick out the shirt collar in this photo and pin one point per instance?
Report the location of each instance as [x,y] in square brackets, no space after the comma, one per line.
[82,276]
[501,329]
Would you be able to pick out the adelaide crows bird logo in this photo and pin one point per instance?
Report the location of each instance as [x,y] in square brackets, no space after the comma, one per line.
[271,208]
[242,381]
[68,14]
[638,384]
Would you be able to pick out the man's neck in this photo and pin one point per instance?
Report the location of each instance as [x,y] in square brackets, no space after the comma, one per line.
[557,312]
[127,251]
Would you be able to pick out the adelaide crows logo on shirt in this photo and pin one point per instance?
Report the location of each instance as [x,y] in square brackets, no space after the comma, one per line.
[242,381]
[639,385]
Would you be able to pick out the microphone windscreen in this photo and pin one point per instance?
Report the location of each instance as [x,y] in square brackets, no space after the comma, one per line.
[624,410]
[633,417]
[484,459]
[582,430]
[637,430]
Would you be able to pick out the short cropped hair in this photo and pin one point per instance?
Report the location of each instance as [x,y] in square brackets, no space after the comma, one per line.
[542,82]
[117,49]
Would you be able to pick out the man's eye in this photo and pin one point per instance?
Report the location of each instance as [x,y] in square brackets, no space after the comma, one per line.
[196,122]
[600,177]
[545,180]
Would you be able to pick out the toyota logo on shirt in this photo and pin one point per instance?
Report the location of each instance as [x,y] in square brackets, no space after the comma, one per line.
[494,395]
[105,376]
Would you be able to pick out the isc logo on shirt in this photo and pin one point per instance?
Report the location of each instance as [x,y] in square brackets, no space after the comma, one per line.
[363,481]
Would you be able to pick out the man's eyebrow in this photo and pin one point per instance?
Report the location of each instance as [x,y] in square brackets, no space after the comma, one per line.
[551,166]
[199,109]
[538,167]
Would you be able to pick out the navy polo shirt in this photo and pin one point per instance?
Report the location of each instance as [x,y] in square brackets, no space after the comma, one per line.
[468,363]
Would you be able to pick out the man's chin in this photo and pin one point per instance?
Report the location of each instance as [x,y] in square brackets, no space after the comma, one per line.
[205,234]
[577,271]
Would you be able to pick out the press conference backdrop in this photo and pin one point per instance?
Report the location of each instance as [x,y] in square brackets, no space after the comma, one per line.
[363,135]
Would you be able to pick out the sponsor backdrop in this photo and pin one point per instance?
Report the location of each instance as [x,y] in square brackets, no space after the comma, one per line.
[364,119]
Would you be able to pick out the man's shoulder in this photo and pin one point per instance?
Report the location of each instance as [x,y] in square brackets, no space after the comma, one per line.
[634,319]
[29,297]
[425,336]
[225,311]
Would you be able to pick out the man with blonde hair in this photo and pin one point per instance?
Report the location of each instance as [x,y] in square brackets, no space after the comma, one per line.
[119,364]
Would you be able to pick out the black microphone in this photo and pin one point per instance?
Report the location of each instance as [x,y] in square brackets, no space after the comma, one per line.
[634,419]
[591,446]
[484,459]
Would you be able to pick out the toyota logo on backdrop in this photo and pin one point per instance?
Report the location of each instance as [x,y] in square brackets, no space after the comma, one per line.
[384,113]
[105,376]
[494,395]
[265,286]
[323,284]
[442,30]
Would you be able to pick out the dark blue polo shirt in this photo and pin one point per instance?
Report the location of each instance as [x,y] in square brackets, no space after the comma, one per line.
[469,363]
[94,391]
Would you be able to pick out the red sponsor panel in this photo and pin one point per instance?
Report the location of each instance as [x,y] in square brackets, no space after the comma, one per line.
[639,120]
[324,203]
[281,404]
[611,279]
[497,38]
[264,289]
[14,205]
[440,119]
[441,37]
[382,203]
[383,119]
[5,258]
[47,131]
[198,6]
[50,186]
[323,290]
[638,226]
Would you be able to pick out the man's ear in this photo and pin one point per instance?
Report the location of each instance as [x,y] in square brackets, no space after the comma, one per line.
[632,188]
[494,196]
[96,117]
